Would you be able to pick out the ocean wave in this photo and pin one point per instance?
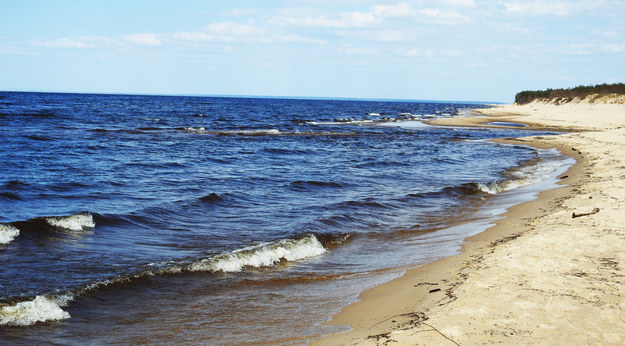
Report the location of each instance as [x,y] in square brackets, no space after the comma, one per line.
[26,313]
[251,133]
[496,187]
[525,175]
[337,220]
[8,233]
[302,185]
[194,129]
[38,137]
[76,222]
[267,132]
[548,164]
[211,198]
[62,224]
[472,189]
[15,185]
[45,308]
[10,196]
[341,121]
[262,255]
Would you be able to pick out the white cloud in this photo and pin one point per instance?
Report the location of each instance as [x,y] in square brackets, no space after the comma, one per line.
[608,34]
[64,43]
[458,3]
[194,36]
[144,39]
[613,48]
[412,52]
[453,52]
[551,8]
[359,51]
[400,10]
[513,27]
[435,15]
[16,50]
[377,15]
[444,17]
[479,64]
[392,35]
[297,39]
[416,53]
[344,21]
[579,49]
[234,29]
[236,32]
[225,32]
[240,12]
[381,35]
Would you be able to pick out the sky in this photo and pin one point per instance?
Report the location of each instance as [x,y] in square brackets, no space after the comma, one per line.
[462,50]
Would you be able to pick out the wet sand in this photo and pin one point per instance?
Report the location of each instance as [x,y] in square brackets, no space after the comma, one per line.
[540,276]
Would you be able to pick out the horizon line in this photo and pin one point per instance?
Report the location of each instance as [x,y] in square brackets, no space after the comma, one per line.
[251,96]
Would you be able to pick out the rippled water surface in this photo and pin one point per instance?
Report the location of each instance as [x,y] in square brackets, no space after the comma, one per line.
[229,220]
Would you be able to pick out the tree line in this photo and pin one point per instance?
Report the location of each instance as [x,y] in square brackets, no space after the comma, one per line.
[581,91]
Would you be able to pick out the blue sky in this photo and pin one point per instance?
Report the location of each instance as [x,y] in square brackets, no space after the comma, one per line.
[467,50]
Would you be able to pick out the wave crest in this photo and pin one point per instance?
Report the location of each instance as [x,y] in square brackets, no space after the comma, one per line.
[76,222]
[40,309]
[498,186]
[262,255]
[8,233]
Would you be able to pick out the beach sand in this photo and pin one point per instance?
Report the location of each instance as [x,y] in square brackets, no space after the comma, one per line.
[540,276]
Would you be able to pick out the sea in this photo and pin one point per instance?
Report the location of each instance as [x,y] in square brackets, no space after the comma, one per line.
[233,220]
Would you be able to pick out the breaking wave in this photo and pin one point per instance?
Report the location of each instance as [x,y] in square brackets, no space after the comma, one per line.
[195,129]
[532,172]
[549,164]
[62,224]
[44,308]
[262,255]
[76,222]
[40,309]
[8,233]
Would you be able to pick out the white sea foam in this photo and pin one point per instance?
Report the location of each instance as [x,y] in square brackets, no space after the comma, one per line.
[258,132]
[268,132]
[497,187]
[262,255]
[341,122]
[195,129]
[76,222]
[40,309]
[552,163]
[407,124]
[8,233]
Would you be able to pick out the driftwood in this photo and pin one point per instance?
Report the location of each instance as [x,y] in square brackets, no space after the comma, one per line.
[596,210]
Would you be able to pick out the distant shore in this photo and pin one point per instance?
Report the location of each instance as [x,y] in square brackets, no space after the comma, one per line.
[552,271]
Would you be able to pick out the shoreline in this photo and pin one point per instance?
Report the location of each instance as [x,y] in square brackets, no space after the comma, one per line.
[525,277]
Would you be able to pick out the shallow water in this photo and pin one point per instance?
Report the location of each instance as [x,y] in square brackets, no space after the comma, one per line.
[231,220]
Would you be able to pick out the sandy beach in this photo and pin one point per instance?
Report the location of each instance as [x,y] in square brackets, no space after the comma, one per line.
[552,271]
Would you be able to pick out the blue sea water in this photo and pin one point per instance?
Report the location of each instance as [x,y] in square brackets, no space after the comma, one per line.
[163,219]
